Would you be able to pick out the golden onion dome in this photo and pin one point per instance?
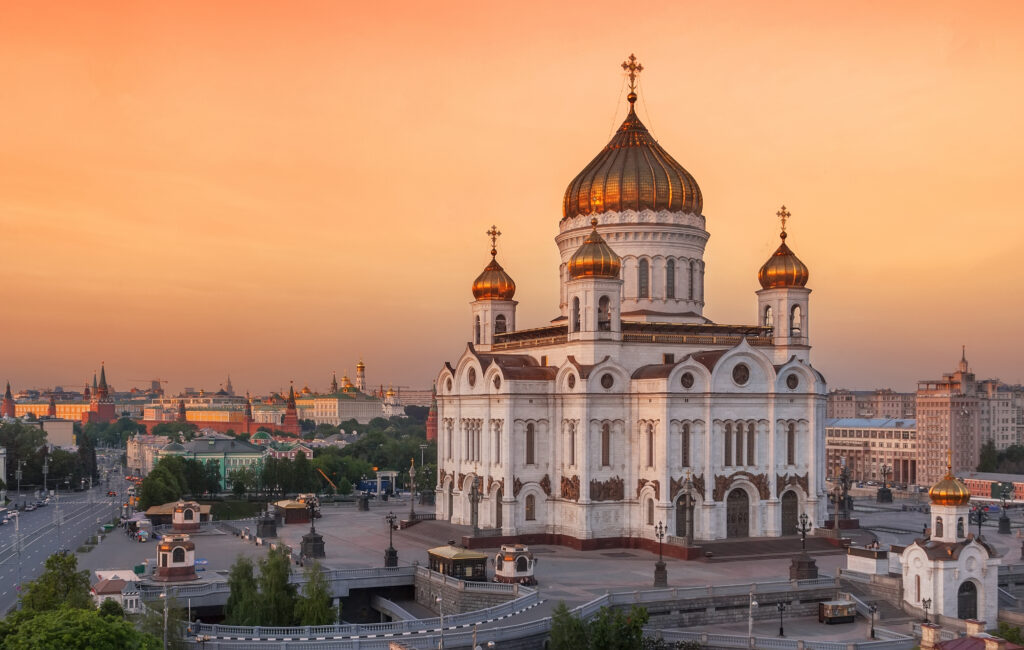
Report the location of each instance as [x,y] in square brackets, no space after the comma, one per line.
[783,269]
[360,365]
[632,172]
[950,491]
[595,258]
[493,283]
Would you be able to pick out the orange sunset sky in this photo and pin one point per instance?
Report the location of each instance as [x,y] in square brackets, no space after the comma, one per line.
[274,189]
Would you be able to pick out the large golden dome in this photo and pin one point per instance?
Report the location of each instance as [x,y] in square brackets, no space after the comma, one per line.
[783,269]
[950,491]
[595,258]
[632,172]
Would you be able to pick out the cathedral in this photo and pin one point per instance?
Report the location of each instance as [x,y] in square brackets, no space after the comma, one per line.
[631,408]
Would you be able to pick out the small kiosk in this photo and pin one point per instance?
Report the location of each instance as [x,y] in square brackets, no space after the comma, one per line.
[514,563]
[836,611]
[458,562]
[176,559]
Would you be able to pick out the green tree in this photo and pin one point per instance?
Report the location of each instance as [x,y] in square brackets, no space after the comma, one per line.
[568,632]
[1010,632]
[110,607]
[241,481]
[61,584]
[313,607]
[77,629]
[302,474]
[152,623]
[212,477]
[989,457]
[243,597]
[277,594]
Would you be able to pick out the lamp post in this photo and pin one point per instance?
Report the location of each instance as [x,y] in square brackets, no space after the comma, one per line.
[803,529]
[17,475]
[978,516]
[926,603]
[1004,519]
[46,470]
[688,505]
[412,496]
[390,554]
[440,610]
[660,575]
[872,609]
[750,616]
[422,449]
[782,608]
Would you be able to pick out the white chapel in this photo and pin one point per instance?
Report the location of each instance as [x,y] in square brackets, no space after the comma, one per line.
[631,408]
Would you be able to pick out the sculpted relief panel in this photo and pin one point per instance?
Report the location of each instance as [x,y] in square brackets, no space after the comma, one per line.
[571,488]
[614,489]
[723,483]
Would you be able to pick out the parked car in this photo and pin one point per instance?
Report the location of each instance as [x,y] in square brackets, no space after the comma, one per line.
[111,493]
[30,507]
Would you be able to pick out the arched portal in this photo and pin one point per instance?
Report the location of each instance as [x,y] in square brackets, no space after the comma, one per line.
[497,509]
[682,514]
[451,501]
[967,601]
[737,514]
[790,514]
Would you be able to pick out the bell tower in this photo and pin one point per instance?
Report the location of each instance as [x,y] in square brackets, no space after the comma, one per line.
[594,290]
[783,299]
[494,311]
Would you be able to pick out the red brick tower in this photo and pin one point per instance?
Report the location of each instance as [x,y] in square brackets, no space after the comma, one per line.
[101,406]
[181,411]
[51,410]
[290,423]
[432,417]
[7,408]
[248,413]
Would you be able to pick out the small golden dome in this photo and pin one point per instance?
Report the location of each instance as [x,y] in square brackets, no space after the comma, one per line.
[595,258]
[360,365]
[632,172]
[950,491]
[783,269]
[391,392]
[494,283]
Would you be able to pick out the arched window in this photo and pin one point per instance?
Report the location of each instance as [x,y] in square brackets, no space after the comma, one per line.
[960,528]
[575,314]
[917,588]
[791,444]
[476,335]
[685,445]
[529,443]
[794,321]
[650,512]
[188,514]
[670,279]
[689,277]
[739,444]
[643,286]
[531,508]
[604,314]
[650,445]
[728,444]
[769,319]
[522,564]
[178,554]
[500,326]
[572,443]
[606,445]
[938,527]
[751,438]
[448,442]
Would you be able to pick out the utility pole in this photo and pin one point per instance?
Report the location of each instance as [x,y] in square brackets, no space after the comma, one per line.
[17,545]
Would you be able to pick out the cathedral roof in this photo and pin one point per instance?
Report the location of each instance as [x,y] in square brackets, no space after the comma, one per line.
[950,491]
[516,366]
[709,359]
[632,172]
[654,371]
[783,269]
[948,551]
[595,258]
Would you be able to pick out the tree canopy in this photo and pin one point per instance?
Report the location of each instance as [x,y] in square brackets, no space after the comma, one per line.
[609,629]
[76,629]
[313,607]
[61,584]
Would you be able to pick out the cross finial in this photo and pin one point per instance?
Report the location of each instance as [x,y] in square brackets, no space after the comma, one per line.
[634,68]
[783,214]
[494,233]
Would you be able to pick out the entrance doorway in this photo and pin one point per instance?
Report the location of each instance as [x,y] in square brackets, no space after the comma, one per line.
[737,514]
[790,505]
[451,502]
[682,515]
[497,509]
[967,601]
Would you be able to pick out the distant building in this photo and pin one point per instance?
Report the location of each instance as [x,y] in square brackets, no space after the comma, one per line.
[142,452]
[229,454]
[866,445]
[879,403]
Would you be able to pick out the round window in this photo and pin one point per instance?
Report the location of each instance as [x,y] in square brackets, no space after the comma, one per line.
[741,374]
[448,385]
[686,380]
[497,381]
[607,380]
[472,377]
[792,381]
[571,381]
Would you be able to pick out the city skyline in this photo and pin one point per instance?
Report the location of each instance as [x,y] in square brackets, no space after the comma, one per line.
[276,192]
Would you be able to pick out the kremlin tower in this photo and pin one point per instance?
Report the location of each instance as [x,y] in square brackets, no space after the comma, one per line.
[101,406]
[432,416]
[7,408]
[290,422]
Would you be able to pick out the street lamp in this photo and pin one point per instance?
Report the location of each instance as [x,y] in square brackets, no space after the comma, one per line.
[872,609]
[440,610]
[390,554]
[978,516]
[926,603]
[750,616]
[660,575]
[803,529]
[781,607]
[688,505]
[412,496]
[422,449]
[17,475]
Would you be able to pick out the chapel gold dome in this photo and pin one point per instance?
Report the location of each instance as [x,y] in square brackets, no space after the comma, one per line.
[494,283]
[595,258]
[783,269]
[632,172]
[950,491]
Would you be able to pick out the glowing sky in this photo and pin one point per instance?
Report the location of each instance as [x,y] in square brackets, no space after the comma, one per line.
[273,189]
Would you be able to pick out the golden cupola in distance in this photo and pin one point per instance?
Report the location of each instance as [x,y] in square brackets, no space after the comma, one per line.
[595,258]
[494,283]
[783,269]
[950,491]
[632,172]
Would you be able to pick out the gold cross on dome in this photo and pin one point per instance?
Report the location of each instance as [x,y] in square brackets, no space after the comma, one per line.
[494,233]
[634,68]
[783,214]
